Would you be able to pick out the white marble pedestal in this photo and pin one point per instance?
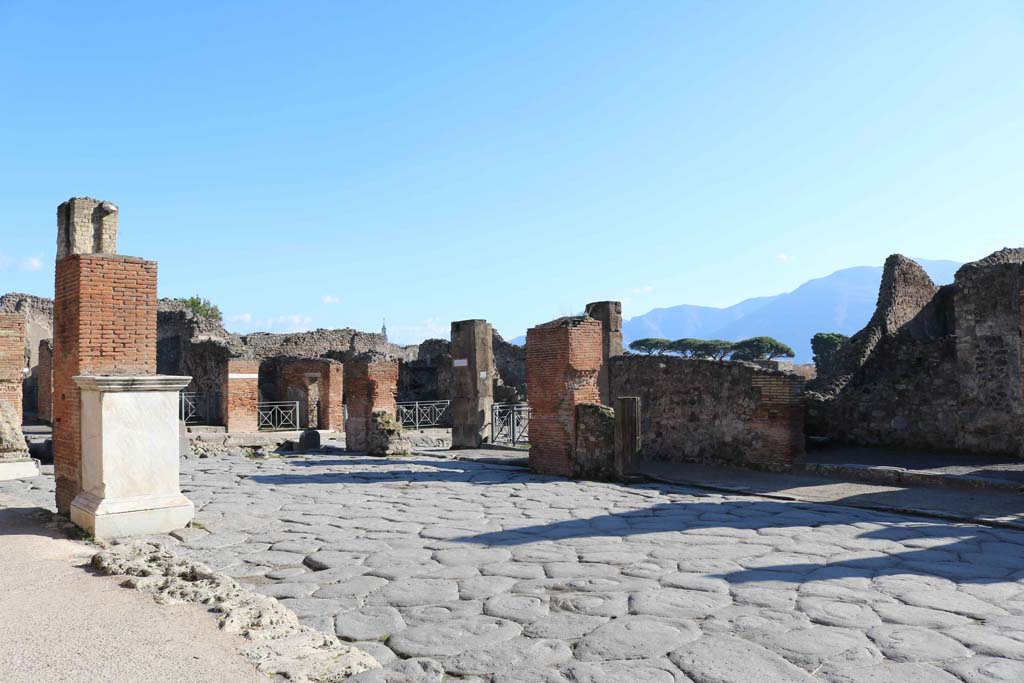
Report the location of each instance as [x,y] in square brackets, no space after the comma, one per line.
[130,473]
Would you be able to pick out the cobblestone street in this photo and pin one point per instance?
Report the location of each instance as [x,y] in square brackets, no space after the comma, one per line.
[492,573]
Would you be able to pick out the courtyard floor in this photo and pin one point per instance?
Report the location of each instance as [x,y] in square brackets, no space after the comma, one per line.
[491,573]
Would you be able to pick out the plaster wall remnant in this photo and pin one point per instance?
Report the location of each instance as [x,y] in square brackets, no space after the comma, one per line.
[370,387]
[564,358]
[609,313]
[936,368]
[86,226]
[473,386]
[714,412]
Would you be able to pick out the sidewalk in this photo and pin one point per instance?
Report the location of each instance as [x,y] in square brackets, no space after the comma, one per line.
[59,623]
[978,506]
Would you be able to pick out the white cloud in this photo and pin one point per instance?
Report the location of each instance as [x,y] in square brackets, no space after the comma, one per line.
[240,318]
[24,264]
[646,289]
[783,257]
[431,328]
[289,323]
[330,300]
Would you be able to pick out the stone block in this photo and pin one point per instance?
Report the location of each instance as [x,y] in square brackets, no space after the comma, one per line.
[385,436]
[594,456]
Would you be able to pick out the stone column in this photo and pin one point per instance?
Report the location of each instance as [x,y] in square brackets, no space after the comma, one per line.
[473,382]
[609,314]
[15,462]
[130,475]
[369,388]
[241,395]
[563,359]
[104,324]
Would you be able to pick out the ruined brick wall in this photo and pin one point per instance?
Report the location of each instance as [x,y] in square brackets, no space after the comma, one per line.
[104,324]
[240,395]
[316,384]
[594,457]
[341,344]
[714,412]
[12,360]
[563,360]
[369,388]
[44,381]
[429,376]
[38,314]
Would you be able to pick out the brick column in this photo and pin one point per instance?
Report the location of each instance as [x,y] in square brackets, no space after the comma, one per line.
[473,382]
[369,387]
[563,360]
[104,322]
[332,397]
[44,381]
[240,395]
[609,314]
[12,360]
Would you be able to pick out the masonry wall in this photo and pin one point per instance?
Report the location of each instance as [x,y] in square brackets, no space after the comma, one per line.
[369,387]
[240,395]
[317,384]
[44,381]
[713,412]
[104,324]
[12,360]
[563,361]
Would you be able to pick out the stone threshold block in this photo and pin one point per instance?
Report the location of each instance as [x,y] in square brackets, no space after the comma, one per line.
[18,468]
[130,471]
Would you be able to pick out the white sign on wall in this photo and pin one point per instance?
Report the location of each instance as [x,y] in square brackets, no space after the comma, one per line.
[460,362]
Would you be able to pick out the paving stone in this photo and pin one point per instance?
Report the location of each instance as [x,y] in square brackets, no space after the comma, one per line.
[980,669]
[357,585]
[578,570]
[283,573]
[480,587]
[330,559]
[368,623]
[952,601]
[745,619]
[319,606]
[378,650]
[835,613]
[642,671]
[510,655]
[287,590]
[520,608]
[988,641]
[893,672]
[189,534]
[472,556]
[902,643]
[595,604]
[814,647]
[899,613]
[633,638]
[406,592]
[453,637]
[517,570]
[429,614]
[677,603]
[274,558]
[565,626]
[725,659]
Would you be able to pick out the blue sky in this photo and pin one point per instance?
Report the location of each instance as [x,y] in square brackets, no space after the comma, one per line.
[323,164]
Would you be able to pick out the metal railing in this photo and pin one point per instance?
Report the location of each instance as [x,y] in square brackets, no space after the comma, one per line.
[196,408]
[510,423]
[277,415]
[425,414]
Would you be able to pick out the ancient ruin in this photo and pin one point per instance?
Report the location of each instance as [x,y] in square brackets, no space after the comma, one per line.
[936,367]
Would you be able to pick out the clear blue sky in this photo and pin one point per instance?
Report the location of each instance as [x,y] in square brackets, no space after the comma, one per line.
[322,164]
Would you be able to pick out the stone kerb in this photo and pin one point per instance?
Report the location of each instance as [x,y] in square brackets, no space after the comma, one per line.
[130,464]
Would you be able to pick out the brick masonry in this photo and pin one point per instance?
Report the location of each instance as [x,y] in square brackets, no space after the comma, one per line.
[240,395]
[563,361]
[104,324]
[12,359]
[714,412]
[317,383]
[369,388]
[44,382]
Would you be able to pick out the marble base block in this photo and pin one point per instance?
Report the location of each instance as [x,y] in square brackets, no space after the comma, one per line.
[20,468]
[130,474]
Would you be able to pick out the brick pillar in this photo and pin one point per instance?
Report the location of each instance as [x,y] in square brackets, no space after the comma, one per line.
[563,360]
[472,383]
[332,397]
[12,360]
[104,323]
[44,381]
[240,395]
[369,387]
[609,314]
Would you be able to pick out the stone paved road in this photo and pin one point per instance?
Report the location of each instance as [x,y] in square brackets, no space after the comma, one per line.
[489,573]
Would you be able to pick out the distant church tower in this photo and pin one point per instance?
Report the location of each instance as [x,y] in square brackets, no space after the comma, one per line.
[384,328]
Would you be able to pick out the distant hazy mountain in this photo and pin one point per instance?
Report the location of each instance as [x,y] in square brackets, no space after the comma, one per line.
[840,302]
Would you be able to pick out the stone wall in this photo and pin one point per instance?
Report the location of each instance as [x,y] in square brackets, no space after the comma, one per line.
[428,377]
[594,457]
[104,324]
[713,412]
[563,360]
[936,368]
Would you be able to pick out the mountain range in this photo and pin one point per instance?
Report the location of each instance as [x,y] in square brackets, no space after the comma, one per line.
[841,302]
